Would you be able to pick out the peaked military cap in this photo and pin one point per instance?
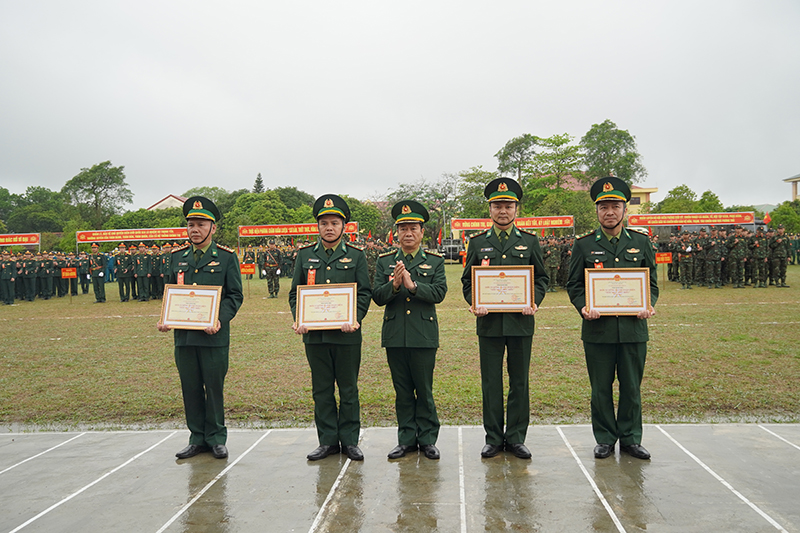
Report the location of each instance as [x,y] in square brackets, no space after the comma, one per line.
[503,189]
[409,211]
[95,245]
[200,207]
[330,204]
[610,188]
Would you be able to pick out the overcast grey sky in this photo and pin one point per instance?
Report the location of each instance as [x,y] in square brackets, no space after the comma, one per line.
[357,97]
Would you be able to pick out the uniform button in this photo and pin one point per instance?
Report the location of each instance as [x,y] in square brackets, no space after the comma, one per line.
[408,299]
[616,259]
[504,256]
[596,260]
[327,281]
[408,312]
[329,268]
[196,271]
[431,319]
[520,255]
[195,283]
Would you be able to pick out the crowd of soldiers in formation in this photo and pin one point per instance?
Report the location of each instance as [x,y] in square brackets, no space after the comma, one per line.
[713,259]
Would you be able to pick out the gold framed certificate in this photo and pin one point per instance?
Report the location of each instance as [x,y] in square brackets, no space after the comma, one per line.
[617,291]
[502,289]
[326,306]
[190,306]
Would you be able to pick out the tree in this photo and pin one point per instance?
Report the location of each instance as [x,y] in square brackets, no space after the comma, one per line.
[709,203]
[514,158]
[681,199]
[158,218]
[470,197]
[294,198]
[215,194]
[258,186]
[576,203]
[609,151]
[39,210]
[557,160]
[788,214]
[365,213]
[102,189]
[440,198]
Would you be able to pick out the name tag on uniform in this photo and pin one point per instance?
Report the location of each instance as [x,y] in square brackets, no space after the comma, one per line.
[597,252]
[487,249]
[312,260]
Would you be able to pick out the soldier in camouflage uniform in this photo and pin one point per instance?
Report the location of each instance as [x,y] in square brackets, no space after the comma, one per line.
[673,246]
[700,242]
[249,258]
[737,256]
[779,245]
[552,262]
[759,246]
[686,259]
[714,246]
[371,251]
[748,265]
[272,261]
[124,272]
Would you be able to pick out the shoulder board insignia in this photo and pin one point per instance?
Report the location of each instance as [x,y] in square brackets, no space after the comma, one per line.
[178,248]
[481,233]
[633,250]
[520,247]
[433,252]
[384,254]
[307,245]
[425,266]
[637,230]
[529,232]
[346,260]
[354,246]
[585,234]
[223,247]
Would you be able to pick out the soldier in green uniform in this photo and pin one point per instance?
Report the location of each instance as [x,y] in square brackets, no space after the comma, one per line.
[410,282]
[28,275]
[249,258]
[699,257]
[552,262]
[779,245]
[737,255]
[371,251]
[714,248]
[142,272]
[124,272]
[8,273]
[166,263]
[272,262]
[97,268]
[759,246]
[505,244]
[333,355]
[156,280]
[201,356]
[44,276]
[613,345]
[83,272]
[686,259]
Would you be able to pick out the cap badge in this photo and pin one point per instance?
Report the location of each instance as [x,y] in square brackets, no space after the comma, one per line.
[406,210]
[198,205]
[502,187]
[328,203]
[607,187]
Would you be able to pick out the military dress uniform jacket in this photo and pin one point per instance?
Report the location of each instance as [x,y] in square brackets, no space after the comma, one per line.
[347,264]
[409,320]
[219,266]
[632,251]
[521,248]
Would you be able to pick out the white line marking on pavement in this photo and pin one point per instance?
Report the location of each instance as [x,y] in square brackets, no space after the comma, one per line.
[762,427]
[727,485]
[329,497]
[42,453]
[211,483]
[592,483]
[93,483]
[461,491]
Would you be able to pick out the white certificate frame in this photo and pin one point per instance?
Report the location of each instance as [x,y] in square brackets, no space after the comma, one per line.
[315,295]
[485,284]
[190,306]
[617,291]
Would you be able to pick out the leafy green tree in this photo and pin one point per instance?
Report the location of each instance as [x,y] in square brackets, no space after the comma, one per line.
[440,198]
[709,203]
[8,202]
[469,198]
[215,194]
[788,214]
[39,210]
[365,213]
[101,189]
[564,202]
[681,199]
[157,218]
[513,158]
[294,198]
[258,186]
[609,151]
[557,160]
[744,209]
[252,209]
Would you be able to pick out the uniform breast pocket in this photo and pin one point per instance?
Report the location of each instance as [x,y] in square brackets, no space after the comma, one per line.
[519,257]
[488,256]
[212,275]
[345,272]
[423,275]
[634,259]
[594,261]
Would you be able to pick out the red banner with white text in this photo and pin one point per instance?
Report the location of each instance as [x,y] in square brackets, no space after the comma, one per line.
[277,230]
[150,234]
[17,239]
[685,219]
[566,221]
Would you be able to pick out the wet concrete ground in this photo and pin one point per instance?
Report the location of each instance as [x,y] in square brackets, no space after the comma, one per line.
[727,477]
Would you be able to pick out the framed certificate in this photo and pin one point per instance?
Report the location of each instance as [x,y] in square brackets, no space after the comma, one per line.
[617,291]
[326,306]
[502,288]
[190,306]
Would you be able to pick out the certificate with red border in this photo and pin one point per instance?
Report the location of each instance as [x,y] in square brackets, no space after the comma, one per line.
[326,306]
[502,289]
[190,306]
[617,291]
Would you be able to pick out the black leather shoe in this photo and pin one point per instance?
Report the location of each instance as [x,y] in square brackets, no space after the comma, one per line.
[519,450]
[635,450]
[400,451]
[322,452]
[490,450]
[353,452]
[190,451]
[219,451]
[430,451]
[601,451]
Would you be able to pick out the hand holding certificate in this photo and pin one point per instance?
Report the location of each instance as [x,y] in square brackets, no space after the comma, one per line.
[331,306]
[503,289]
[618,292]
[190,307]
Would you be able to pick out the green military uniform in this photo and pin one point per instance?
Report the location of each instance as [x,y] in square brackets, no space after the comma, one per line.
[272,261]
[334,356]
[8,275]
[700,243]
[249,259]
[202,359]
[124,273]
[410,332]
[780,248]
[97,268]
[613,345]
[759,245]
[28,275]
[714,249]
[143,265]
[686,251]
[505,330]
[156,280]
[552,262]
[44,276]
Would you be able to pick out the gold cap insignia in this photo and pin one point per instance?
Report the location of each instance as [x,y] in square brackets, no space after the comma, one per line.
[502,187]
[198,205]
[406,210]
[328,203]
[607,186]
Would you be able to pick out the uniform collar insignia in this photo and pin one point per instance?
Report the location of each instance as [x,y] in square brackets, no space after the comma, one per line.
[520,247]
[426,266]
[345,260]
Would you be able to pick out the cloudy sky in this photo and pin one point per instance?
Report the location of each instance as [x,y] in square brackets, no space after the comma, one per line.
[357,97]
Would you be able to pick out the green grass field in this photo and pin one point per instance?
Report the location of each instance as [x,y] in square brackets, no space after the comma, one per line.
[714,355]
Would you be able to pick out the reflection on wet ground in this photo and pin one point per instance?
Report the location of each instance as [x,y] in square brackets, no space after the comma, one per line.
[737,477]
